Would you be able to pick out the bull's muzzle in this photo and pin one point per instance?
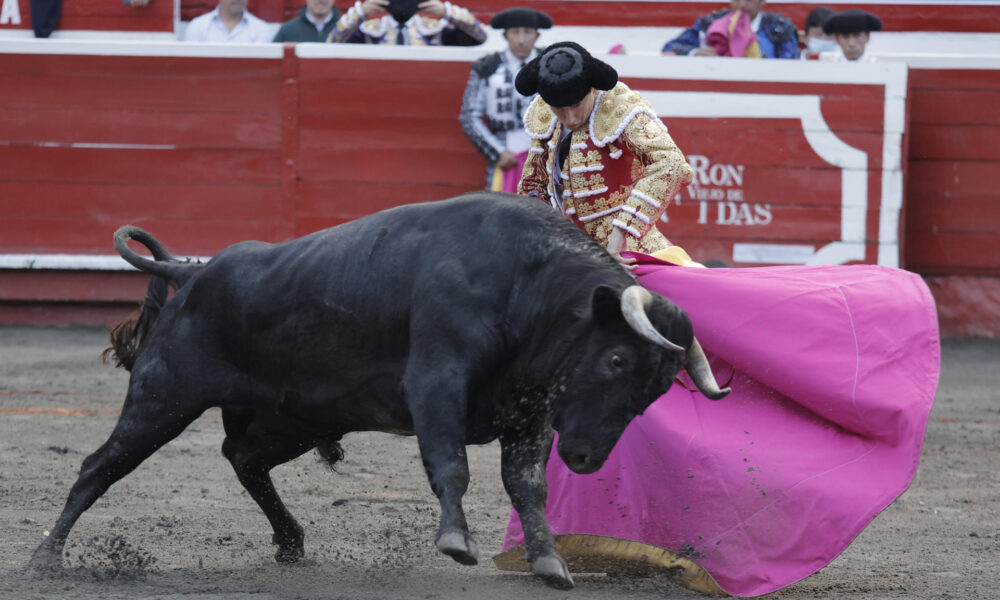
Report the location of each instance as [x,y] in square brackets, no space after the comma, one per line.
[580,459]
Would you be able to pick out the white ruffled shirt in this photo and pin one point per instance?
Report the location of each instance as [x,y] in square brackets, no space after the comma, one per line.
[210,28]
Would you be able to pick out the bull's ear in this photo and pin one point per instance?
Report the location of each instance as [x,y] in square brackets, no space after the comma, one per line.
[606,304]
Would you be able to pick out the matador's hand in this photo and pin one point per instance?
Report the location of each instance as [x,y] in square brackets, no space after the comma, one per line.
[374,7]
[616,243]
[432,7]
[507,160]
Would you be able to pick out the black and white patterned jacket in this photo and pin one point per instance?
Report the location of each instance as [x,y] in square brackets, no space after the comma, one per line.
[492,109]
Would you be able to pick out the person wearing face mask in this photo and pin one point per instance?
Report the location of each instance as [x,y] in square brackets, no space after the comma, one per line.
[776,34]
[852,30]
[812,38]
[599,154]
[492,110]
[437,24]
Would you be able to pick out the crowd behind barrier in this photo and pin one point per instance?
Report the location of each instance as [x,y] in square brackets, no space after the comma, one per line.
[163,19]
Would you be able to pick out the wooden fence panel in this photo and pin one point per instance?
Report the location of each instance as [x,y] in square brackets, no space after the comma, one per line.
[953,185]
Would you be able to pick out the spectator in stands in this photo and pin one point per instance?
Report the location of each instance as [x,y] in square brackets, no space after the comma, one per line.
[438,24]
[852,29]
[315,22]
[812,39]
[44,16]
[229,22]
[490,92]
[776,35]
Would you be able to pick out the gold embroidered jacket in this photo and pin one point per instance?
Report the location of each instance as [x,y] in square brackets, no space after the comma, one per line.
[621,171]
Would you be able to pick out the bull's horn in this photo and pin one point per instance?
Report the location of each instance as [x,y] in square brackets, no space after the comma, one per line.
[698,368]
[635,300]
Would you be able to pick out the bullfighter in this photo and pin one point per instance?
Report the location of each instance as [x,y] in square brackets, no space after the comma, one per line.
[492,110]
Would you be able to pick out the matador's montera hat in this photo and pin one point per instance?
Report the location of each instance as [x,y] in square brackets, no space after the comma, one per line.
[563,74]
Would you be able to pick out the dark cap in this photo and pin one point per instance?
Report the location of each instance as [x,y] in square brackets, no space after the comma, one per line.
[852,20]
[521,17]
[818,16]
[563,74]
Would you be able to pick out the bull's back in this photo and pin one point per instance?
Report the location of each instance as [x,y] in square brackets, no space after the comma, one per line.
[342,298]
[322,324]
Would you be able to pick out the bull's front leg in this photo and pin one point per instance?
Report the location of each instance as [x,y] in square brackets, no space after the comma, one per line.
[448,472]
[438,409]
[524,455]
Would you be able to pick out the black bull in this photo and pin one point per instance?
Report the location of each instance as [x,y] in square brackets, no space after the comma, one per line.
[463,321]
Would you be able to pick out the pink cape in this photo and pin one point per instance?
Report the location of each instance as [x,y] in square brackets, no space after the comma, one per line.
[731,35]
[833,370]
[506,181]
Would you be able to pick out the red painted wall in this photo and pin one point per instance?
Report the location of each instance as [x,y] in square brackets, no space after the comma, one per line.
[209,152]
[212,151]
[206,165]
[952,222]
[105,15]
[953,185]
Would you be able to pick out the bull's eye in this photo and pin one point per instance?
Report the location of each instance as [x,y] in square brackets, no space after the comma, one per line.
[617,361]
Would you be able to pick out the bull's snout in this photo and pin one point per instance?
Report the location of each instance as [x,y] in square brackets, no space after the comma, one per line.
[580,460]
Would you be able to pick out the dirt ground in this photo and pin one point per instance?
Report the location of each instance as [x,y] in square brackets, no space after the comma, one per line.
[181,526]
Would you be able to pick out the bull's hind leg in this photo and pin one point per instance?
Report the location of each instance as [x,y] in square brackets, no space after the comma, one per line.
[254,451]
[147,422]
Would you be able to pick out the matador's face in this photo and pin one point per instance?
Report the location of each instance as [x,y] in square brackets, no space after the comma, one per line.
[576,116]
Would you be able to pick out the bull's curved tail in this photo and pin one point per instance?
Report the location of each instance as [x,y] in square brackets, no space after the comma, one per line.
[127,337]
[165,264]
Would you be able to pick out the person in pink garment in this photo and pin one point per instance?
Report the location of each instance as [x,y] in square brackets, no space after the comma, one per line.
[833,371]
[732,35]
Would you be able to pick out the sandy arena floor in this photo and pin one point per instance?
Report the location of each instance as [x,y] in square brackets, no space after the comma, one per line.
[181,526]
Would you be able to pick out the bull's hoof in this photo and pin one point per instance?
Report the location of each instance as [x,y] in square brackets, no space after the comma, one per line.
[44,563]
[289,551]
[287,556]
[553,571]
[460,547]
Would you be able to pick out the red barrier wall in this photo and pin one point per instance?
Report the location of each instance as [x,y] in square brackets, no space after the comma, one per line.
[954,175]
[209,150]
[93,142]
[103,15]
[953,192]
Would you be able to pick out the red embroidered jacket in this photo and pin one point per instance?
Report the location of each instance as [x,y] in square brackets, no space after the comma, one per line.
[621,171]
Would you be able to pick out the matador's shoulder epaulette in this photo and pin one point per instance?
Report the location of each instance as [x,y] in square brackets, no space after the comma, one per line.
[487,65]
[539,120]
[614,111]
